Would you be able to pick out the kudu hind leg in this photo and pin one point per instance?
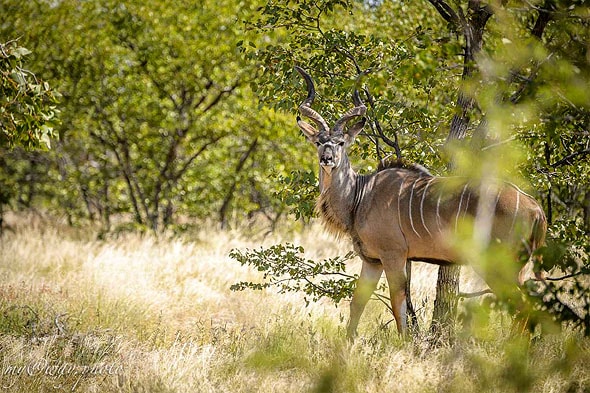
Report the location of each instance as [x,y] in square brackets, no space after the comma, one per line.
[365,286]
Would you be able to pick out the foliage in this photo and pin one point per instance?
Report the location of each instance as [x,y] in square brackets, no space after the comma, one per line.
[298,191]
[28,104]
[158,121]
[343,51]
[565,294]
[407,64]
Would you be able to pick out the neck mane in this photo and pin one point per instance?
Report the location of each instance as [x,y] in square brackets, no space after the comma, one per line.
[340,194]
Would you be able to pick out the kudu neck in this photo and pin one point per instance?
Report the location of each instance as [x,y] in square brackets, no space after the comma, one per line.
[339,197]
[340,180]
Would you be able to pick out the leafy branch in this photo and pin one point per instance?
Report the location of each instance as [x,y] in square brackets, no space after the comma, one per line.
[285,268]
[564,298]
[29,106]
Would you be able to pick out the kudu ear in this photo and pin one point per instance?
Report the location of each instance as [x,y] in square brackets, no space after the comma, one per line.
[354,130]
[310,132]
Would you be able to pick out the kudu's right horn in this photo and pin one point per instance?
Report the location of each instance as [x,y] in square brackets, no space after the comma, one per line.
[305,107]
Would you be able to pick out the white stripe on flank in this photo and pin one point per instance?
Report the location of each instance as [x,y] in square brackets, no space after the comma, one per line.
[410,208]
[459,208]
[422,206]
[467,198]
[359,192]
[515,211]
[438,224]
[399,197]
[496,203]
[495,206]
[519,190]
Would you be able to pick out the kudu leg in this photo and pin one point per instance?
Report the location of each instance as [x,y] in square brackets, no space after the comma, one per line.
[396,279]
[365,285]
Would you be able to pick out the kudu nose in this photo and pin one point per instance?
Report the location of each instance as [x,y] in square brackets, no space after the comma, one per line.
[327,158]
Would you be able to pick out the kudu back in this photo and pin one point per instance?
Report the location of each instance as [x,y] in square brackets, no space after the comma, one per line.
[401,212]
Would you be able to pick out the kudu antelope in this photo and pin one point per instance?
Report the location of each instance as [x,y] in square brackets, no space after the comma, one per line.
[402,212]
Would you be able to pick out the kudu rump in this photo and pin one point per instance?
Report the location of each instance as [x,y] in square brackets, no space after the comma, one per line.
[402,212]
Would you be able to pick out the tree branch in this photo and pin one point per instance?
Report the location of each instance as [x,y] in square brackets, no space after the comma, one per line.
[446,12]
[225,91]
[469,295]
[230,193]
[188,162]
[392,143]
[545,16]
[566,276]
[125,168]
[568,159]
[473,27]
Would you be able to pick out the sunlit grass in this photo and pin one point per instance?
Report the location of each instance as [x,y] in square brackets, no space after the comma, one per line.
[142,314]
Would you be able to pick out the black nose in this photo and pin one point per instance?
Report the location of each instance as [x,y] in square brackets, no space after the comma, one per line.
[326,158]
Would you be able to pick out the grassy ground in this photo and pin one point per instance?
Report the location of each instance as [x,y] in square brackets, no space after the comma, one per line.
[138,314]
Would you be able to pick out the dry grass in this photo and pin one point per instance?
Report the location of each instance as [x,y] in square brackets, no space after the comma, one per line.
[139,314]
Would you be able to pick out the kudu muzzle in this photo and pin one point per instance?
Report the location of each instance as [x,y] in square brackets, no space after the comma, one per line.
[327,156]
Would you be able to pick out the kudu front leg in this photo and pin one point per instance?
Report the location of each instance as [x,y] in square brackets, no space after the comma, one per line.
[365,286]
[395,273]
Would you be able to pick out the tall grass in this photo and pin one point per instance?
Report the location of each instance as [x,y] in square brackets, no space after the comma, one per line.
[142,314]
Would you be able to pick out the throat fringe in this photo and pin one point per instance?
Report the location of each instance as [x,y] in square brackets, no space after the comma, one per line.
[332,220]
[338,216]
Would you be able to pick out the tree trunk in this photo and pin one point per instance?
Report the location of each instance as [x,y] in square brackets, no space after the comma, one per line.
[587,212]
[410,311]
[230,193]
[106,208]
[472,26]
[445,304]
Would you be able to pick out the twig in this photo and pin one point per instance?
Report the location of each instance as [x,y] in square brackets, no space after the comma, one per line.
[566,160]
[512,138]
[383,299]
[565,277]
[469,295]
[392,143]
[61,327]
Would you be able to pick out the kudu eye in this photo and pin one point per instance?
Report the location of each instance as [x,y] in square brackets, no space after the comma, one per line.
[318,144]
